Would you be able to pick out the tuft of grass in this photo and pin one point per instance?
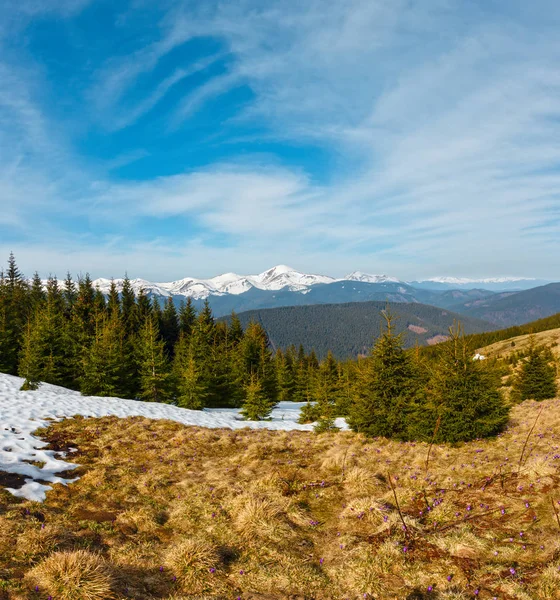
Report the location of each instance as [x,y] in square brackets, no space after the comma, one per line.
[78,575]
[194,562]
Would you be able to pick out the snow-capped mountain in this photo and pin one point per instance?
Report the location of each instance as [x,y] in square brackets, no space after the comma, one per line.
[467,281]
[284,279]
[280,277]
[366,278]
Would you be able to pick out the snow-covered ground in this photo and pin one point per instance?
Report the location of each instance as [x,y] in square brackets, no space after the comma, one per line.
[21,413]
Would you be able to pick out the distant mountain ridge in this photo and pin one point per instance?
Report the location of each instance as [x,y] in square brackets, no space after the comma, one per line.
[506,310]
[283,277]
[284,286]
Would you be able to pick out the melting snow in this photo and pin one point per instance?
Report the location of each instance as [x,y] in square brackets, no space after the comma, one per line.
[21,413]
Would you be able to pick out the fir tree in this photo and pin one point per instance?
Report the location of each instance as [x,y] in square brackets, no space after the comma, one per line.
[70,294]
[285,373]
[462,397]
[169,326]
[386,391]
[193,388]
[99,302]
[257,360]
[83,314]
[235,331]
[30,361]
[113,301]
[156,314]
[102,364]
[257,405]
[536,378]
[129,309]
[187,317]
[36,294]
[153,367]
[14,312]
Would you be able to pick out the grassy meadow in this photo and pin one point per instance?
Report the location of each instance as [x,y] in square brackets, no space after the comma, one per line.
[167,511]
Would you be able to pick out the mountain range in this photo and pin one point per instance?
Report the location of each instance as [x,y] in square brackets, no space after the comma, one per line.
[502,301]
[285,278]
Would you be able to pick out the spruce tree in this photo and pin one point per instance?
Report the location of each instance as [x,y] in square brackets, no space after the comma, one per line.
[99,302]
[187,317]
[386,391]
[36,294]
[14,313]
[462,397]
[102,364]
[30,360]
[257,405]
[536,377]
[153,366]
[325,393]
[193,389]
[285,372]
[169,326]
[70,294]
[235,329]
[113,301]
[129,309]
[144,308]
[257,360]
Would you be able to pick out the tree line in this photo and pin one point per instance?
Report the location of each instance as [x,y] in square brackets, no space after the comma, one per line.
[127,345]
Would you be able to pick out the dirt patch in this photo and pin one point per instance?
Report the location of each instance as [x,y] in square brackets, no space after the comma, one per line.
[12,480]
[99,516]
[417,329]
[437,339]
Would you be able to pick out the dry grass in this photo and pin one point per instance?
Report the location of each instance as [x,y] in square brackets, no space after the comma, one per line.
[172,512]
[549,338]
[77,575]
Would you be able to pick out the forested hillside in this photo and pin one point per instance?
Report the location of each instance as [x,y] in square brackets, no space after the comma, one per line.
[350,329]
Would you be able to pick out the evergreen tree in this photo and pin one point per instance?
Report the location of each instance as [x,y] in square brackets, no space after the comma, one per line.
[14,310]
[193,388]
[325,393]
[322,405]
[187,317]
[83,314]
[536,377]
[156,314]
[462,397]
[99,302]
[257,405]
[257,361]
[169,326]
[36,294]
[153,366]
[286,377]
[70,294]
[235,329]
[144,309]
[102,364]
[30,361]
[113,301]
[128,309]
[386,391]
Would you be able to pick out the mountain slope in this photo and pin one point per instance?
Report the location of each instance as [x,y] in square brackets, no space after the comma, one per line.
[518,308]
[350,329]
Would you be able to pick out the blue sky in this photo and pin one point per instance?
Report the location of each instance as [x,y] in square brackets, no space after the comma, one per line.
[166,139]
